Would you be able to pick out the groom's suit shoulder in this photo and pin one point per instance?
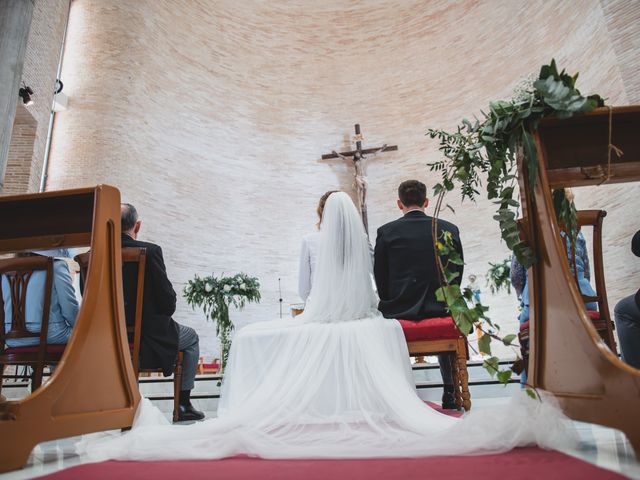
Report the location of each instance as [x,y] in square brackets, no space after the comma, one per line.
[391,226]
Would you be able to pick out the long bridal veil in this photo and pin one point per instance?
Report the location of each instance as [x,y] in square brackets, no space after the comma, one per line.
[342,288]
[335,382]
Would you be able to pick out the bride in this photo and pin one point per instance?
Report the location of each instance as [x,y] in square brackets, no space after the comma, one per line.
[335,382]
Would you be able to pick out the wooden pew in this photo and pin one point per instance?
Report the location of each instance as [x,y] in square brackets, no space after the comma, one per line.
[94,387]
[567,356]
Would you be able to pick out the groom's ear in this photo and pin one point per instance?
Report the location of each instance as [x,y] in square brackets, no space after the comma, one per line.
[400,204]
[426,203]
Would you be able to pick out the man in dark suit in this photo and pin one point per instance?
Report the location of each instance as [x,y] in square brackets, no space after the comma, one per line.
[161,337]
[405,268]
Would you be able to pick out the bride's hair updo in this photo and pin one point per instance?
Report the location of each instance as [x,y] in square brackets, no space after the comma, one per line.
[320,209]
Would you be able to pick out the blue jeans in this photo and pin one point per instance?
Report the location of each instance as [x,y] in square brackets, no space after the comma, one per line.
[627,317]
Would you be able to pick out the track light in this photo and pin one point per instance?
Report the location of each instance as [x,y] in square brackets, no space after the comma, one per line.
[59,86]
[25,94]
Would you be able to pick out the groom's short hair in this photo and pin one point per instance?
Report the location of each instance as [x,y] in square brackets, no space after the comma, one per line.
[412,193]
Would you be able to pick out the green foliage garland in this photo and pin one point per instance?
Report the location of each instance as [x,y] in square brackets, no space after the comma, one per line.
[215,295]
[489,148]
[499,276]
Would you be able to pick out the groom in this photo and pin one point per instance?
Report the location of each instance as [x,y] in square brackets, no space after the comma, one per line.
[406,272]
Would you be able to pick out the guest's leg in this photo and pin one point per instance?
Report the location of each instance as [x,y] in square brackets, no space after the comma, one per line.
[627,317]
[522,318]
[189,344]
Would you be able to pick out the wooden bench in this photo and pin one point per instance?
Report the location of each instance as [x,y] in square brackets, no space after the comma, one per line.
[567,356]
[94,386]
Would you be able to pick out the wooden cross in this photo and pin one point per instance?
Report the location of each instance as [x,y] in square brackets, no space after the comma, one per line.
[360,177]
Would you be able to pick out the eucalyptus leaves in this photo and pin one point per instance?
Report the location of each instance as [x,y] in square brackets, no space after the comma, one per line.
[486,149]
[215,295]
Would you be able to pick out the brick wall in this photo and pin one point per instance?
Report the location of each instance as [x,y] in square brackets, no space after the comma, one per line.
[40,68]
[211,119]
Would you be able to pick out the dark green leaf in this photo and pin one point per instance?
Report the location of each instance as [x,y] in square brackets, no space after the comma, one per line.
[504,376]
[484,344]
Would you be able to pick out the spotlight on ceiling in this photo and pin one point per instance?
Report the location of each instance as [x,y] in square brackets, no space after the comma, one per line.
[59,86]
[25,94]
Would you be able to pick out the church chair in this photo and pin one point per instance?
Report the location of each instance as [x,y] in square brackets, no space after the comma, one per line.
[601,318]
[208,368]
[433,336]
[137,256]
[84,395]
[18,272]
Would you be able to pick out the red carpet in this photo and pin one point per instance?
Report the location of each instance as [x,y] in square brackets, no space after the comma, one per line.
[520,464]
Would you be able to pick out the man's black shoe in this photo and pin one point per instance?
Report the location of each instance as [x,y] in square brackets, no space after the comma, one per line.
[187,412]
[448,399]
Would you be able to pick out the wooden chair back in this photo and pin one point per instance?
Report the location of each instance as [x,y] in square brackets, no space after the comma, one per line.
[94,387]
[138,257]
[568,357]
[604,325]
[16,273]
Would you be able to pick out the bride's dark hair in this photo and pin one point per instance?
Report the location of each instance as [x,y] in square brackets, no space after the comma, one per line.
[320,209]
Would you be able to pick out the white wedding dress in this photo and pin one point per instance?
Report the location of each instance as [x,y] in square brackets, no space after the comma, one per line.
[335,382]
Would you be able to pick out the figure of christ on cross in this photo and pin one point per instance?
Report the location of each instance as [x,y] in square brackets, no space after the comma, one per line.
[360,178]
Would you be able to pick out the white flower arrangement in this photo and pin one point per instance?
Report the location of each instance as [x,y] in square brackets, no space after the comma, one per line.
[215,295]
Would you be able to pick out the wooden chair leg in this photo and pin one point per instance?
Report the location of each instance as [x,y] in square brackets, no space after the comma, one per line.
[461,360]
[177,383]
[36,378]
[1,379]
[455,374]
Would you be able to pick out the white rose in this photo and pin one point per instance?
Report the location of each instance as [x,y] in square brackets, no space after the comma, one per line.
[243,286]
[227,288]
[208,287]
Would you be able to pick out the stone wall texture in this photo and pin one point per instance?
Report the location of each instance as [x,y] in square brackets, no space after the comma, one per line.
[24,169]
[211,118]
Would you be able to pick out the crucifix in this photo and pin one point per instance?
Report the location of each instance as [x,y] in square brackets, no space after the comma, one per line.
[360,177]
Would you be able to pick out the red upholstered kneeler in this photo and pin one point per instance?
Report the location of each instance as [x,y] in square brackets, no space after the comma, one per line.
[440,335]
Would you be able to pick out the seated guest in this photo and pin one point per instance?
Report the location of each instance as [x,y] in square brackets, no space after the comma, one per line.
[405,268]
[627,316]
[519,280]
[308,253]
[521,285]
[62,311]
[161,337]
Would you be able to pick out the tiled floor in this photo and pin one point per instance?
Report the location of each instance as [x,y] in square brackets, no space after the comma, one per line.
[604,447]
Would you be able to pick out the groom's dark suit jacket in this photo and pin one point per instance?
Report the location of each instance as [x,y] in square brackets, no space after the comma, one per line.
[159,335]
[405,267]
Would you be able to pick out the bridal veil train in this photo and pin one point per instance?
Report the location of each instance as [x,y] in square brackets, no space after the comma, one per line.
[335,382]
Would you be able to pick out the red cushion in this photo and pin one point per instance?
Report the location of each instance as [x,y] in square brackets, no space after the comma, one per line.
[595,315]
[430,329]
[34,349]
[211,365]
[524,326]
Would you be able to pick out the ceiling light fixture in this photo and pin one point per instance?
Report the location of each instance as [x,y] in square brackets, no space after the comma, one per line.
[25,94]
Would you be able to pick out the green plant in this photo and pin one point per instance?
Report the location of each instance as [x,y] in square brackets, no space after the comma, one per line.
[498,276]
[488,148]
[215,295]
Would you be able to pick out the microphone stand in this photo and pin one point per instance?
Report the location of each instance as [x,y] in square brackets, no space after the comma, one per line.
[280,299]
